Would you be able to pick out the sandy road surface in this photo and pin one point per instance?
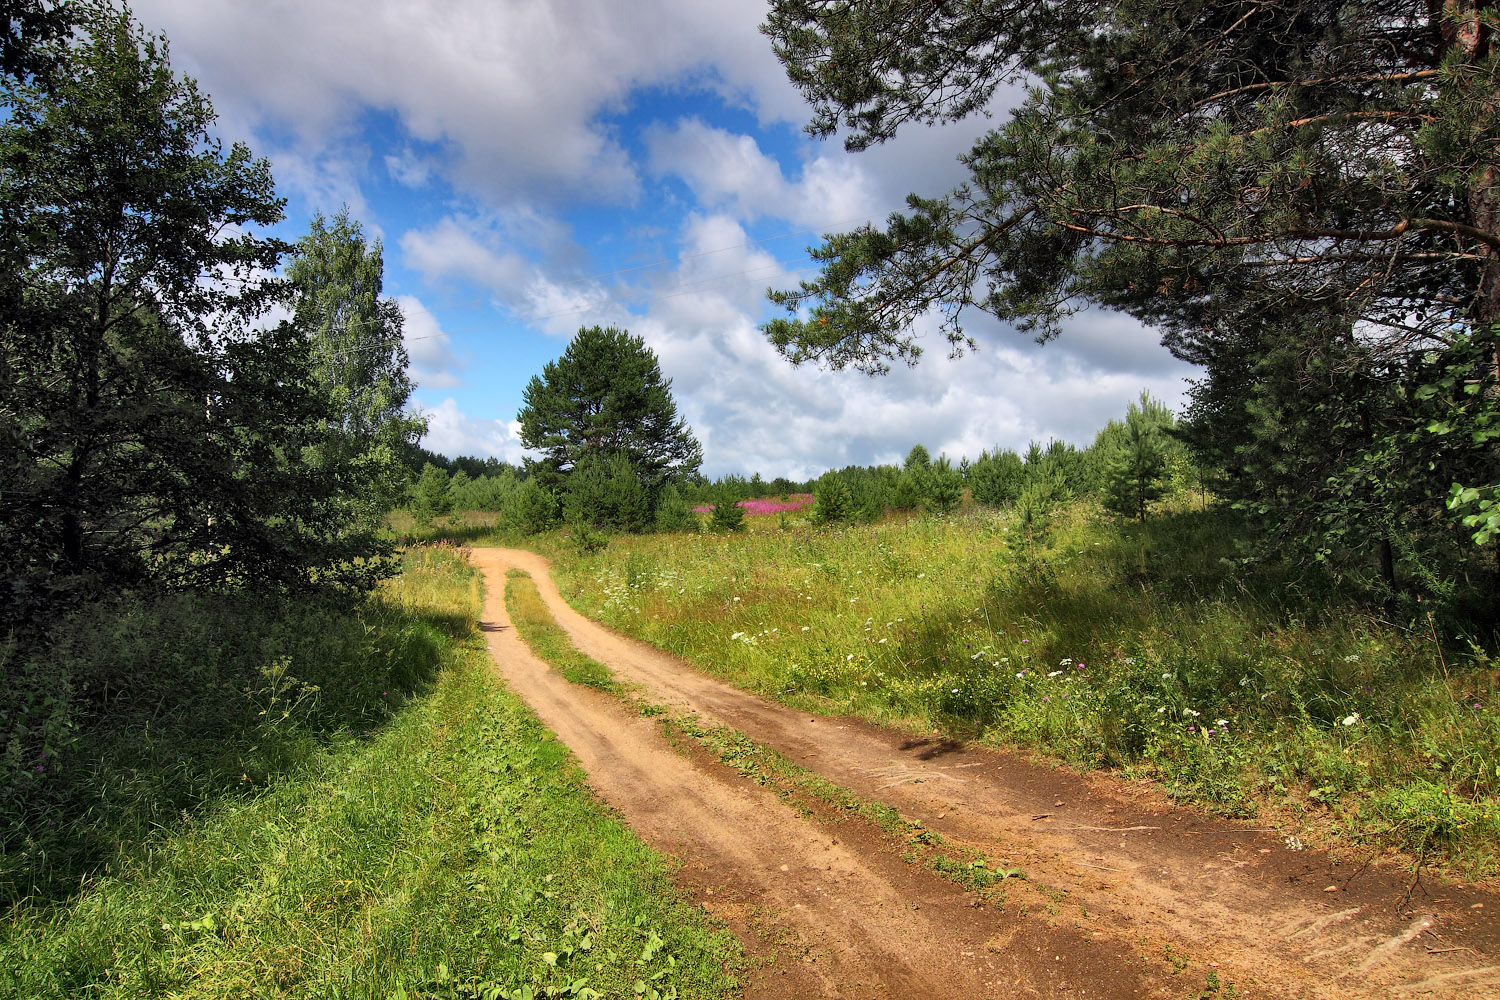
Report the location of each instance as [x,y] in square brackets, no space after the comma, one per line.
[1136,888]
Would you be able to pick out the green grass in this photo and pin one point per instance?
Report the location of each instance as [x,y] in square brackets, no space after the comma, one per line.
[441,845]
[1142,648]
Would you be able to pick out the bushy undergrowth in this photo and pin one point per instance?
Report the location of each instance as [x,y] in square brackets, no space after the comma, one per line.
[330,802]
[1142,647]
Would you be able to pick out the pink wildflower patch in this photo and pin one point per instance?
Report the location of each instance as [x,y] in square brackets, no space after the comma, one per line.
[766,505]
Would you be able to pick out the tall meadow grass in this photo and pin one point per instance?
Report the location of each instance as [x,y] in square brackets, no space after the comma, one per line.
[1146,648]
[330,802]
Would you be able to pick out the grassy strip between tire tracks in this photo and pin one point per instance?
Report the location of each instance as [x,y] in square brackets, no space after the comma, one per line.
[453,852]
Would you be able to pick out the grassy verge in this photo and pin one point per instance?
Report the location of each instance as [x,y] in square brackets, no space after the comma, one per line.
[1134,647]
[440,845]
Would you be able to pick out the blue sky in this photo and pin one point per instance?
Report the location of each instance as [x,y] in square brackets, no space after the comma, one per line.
[533,166]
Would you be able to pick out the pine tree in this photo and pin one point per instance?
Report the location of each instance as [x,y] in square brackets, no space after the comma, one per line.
[728,515]
[832,503]
[606,396]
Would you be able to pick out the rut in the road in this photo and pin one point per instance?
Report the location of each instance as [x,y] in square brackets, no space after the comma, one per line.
[1136,876]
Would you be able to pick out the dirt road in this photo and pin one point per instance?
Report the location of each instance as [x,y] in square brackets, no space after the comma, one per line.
[1126,895]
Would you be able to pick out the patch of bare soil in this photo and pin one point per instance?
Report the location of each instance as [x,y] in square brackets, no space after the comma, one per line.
[1144,898]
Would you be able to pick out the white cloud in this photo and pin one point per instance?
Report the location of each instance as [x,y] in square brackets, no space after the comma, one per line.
[450,431]
[410,168]
[463,249]
[430,350]
[728,170]
[516,105]
[519,91]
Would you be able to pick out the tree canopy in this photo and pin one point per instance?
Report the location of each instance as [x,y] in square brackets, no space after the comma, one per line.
[1173,159]
[1302,197]
[152,426]
[605,397]
[334,284]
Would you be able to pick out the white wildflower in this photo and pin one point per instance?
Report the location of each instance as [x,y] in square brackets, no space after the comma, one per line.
[1350,720]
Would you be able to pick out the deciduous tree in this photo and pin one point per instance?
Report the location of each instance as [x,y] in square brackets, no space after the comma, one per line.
[335,282]
[151,428]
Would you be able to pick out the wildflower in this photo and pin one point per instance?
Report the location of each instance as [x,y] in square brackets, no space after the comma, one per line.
[1189,711]
[954,691]
[1222,722]
[1350,720]
[1020,675]
[1065,661]
[1166,677]
[1055,673]
[737,635]
[807,628]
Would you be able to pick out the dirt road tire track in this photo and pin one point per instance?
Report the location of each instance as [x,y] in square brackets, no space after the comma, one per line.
[853,923]
[1137,876]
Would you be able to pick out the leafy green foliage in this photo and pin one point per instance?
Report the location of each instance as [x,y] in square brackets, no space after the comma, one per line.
[606,492]
[334,285]
[942,486]
[832,503]
[1301,196]
[150,434]
[995,478]
[1136,457]
[432,496]
[728,515]
[531,509]
[673,513]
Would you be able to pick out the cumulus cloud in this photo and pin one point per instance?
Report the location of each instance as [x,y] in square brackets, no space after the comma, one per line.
[450,431]
[410,168]
[526,110]
[430,350]
[520,92]
[729,170]
[454,248]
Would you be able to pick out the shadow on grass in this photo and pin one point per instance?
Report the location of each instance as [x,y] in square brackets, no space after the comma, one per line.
[186,703]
